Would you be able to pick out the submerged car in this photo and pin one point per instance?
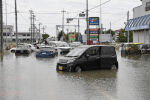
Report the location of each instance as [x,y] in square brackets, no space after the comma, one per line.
[46,52]
[88,58]
[23,50]
[59,45]
[130,48]
[75,44]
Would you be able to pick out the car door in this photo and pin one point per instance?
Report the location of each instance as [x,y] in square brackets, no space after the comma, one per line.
[108,57]
[93,59]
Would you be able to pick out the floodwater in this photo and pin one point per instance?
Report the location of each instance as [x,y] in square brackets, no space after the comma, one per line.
[29,78]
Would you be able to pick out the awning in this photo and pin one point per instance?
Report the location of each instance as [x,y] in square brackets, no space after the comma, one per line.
[138,23]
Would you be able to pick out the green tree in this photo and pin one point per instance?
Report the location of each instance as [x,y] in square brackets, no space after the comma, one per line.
[45,36]
[112,32]
[123,36]
[60,34]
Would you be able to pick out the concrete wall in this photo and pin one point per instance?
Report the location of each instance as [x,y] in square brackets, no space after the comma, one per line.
[140,10]
[141,37]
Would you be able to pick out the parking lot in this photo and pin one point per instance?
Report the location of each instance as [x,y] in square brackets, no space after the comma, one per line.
[29,78]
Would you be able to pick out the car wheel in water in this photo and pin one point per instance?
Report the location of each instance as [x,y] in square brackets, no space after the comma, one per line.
[78,69]
[113,67]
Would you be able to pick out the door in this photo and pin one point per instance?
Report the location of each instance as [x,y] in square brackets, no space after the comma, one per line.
[93,58]
[108,57]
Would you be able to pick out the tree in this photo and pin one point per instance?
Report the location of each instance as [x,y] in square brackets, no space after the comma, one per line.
[123,36]
[60,34]
[112,32]
[45,36]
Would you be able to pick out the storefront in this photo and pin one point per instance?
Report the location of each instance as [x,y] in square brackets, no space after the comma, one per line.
[141,29]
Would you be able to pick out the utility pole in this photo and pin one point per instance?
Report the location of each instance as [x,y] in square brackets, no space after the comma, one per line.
[110,27]
[87,22]
[16,22]
[78,25]
[63,18]
[6,20]
[110,32]
[31,22]
[128,14]
[1,26]
[101,28]
[40,31]
[33,27]
[43,30]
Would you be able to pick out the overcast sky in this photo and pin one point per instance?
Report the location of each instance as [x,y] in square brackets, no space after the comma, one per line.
[48,12]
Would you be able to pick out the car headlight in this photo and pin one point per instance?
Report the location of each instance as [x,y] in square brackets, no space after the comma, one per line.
[71,60]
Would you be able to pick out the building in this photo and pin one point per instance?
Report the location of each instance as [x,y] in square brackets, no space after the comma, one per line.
[25,37]
[8,30]
[140,24]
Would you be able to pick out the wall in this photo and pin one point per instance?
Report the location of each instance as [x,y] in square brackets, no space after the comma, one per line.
[140,10]
[141,37]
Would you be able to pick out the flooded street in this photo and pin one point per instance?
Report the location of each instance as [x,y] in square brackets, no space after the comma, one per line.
[29,78]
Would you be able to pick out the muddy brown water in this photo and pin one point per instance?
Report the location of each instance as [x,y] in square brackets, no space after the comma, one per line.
[29,78]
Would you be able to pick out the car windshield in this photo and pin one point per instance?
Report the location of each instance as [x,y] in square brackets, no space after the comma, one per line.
[76,52]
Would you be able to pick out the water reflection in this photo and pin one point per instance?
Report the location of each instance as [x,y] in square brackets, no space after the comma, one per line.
[1,58]
[30,78]
[91,85]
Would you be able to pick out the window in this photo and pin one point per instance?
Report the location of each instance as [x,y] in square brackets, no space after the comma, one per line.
[93,51]
[108,51]
[147,6]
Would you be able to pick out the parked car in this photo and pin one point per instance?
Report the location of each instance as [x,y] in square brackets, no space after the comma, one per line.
[59,45]
[13,50]
[75,44]
[88,58]
[22,51]
[145,48]
[46,52]
[30,46]
[130,48]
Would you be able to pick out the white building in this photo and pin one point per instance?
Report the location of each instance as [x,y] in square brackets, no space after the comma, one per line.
[140,24]
[26,37]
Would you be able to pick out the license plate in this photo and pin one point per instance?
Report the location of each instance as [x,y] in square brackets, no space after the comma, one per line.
[60,68]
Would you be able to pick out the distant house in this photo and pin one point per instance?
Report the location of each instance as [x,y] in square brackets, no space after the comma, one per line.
[26,37]
[140,24]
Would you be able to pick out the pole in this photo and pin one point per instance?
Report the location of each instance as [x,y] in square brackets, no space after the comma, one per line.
[1,26]
[56,33]
[101,29]
[6,19]
[78,25]
[110,27]
[33,27]
[31,12]
[39,31]
[63,18]
[128,30]
[43,29]
[78,29]
[87,22]
[16,22]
